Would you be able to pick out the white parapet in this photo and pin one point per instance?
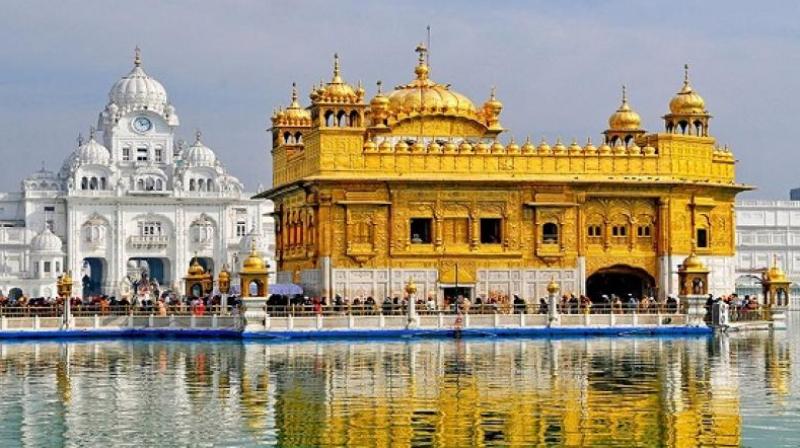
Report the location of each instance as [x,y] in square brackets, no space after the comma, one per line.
[254,314]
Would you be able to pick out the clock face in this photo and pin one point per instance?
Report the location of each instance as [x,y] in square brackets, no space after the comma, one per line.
[142,124]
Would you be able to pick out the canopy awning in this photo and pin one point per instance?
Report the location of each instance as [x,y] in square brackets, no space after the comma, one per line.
[285,289]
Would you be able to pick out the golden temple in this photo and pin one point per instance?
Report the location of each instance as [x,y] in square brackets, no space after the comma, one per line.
[416,183]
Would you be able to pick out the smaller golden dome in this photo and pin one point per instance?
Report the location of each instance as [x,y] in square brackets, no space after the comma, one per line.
[482,148]
[411,287]
[604,149]
[196,269]
[693,263]
[528,147]
[575,148]
[687,101]
[625,118]
[619,148]
[379,101]
[418,146]
[224,275]
[385,146]
[775,274]
[401,146]
[498,147]
[465,147]
[294,114]
[589,148]
[370,146]
[559,148]
[635,149]
[513,147]
[450,146]
[434,147]
[336,90]
[553,287]
[253,263]
[649,150]
[544,148]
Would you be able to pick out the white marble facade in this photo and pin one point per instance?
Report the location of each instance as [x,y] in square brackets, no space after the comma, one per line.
[767,232]
[130,196]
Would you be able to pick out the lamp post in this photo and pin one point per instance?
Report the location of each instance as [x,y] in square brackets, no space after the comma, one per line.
[411,290]
[224,283]
[64,288]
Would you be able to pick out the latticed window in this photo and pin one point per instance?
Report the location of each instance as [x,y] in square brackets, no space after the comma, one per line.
[594,233]
[644,231]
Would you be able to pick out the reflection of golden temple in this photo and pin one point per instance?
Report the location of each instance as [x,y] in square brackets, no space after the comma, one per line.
[416,182]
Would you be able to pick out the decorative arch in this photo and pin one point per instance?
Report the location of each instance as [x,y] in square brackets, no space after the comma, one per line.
[621,280]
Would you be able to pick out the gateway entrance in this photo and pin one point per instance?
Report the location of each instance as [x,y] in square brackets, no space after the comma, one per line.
[620,280]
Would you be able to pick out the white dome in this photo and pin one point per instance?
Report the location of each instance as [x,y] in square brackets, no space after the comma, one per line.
[248,240]
[138,90]
[46,241]
[199,154]
[94,153]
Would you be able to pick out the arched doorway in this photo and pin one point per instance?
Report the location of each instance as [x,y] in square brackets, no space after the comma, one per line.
[621,280]
[93,276]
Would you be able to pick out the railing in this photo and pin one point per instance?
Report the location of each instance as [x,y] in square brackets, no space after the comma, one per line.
[113,310]
[747,314]
[148,241]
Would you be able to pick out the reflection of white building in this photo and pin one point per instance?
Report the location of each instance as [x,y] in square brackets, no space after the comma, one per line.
[766,232]
[130,196]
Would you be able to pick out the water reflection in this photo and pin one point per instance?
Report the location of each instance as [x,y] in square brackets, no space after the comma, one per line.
[577,392]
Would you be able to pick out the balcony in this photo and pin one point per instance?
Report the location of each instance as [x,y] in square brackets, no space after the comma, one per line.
[148,242]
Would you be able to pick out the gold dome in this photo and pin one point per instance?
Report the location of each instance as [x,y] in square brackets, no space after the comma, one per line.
[336,90]
[543,148]
[498,147]
[224,275]
[575,148]
[693,263]
[559,147]
[253,263]
[294,115]
[513,147]
[423,96]
[370,146]
[589,148]
[528,147]
[385,146]
[775,274]
[625,118]
[450,146]
[196,269]
[687,101]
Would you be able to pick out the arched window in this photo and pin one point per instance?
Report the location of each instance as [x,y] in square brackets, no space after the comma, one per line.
[103,183]
[329,119]
[354,119]
[550,233]
[209,185]
[140,184]
[84,183]
[286,137]
[298,137]
[684,125]
[93,183]
[341,119]
[150,184]
[201,185]
[159,185]
[191,185]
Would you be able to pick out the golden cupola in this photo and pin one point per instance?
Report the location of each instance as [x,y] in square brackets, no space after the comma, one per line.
[294,115]
[337,90]
[491,111]
[625,124]
[379,108]
[687,111]
[253,263]
[424,99]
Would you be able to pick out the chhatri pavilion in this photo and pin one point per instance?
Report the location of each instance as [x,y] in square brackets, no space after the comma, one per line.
[418,183]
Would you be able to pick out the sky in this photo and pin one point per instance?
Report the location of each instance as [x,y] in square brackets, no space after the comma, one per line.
[558,68]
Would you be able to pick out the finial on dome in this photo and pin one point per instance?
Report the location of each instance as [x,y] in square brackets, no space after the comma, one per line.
[380,83]
[294,93]
[336,76]
[492,93]
[686,74]
[91,132]
[137,58]
[422,50]
[197,135]
[624,94]
[80,139]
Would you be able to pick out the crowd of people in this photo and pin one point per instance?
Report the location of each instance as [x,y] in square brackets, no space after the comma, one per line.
[167,303]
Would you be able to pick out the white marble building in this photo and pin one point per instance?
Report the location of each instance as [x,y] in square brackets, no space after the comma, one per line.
[131,196]
[767,231]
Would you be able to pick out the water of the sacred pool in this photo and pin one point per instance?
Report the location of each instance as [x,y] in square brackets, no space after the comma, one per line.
[729,390]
